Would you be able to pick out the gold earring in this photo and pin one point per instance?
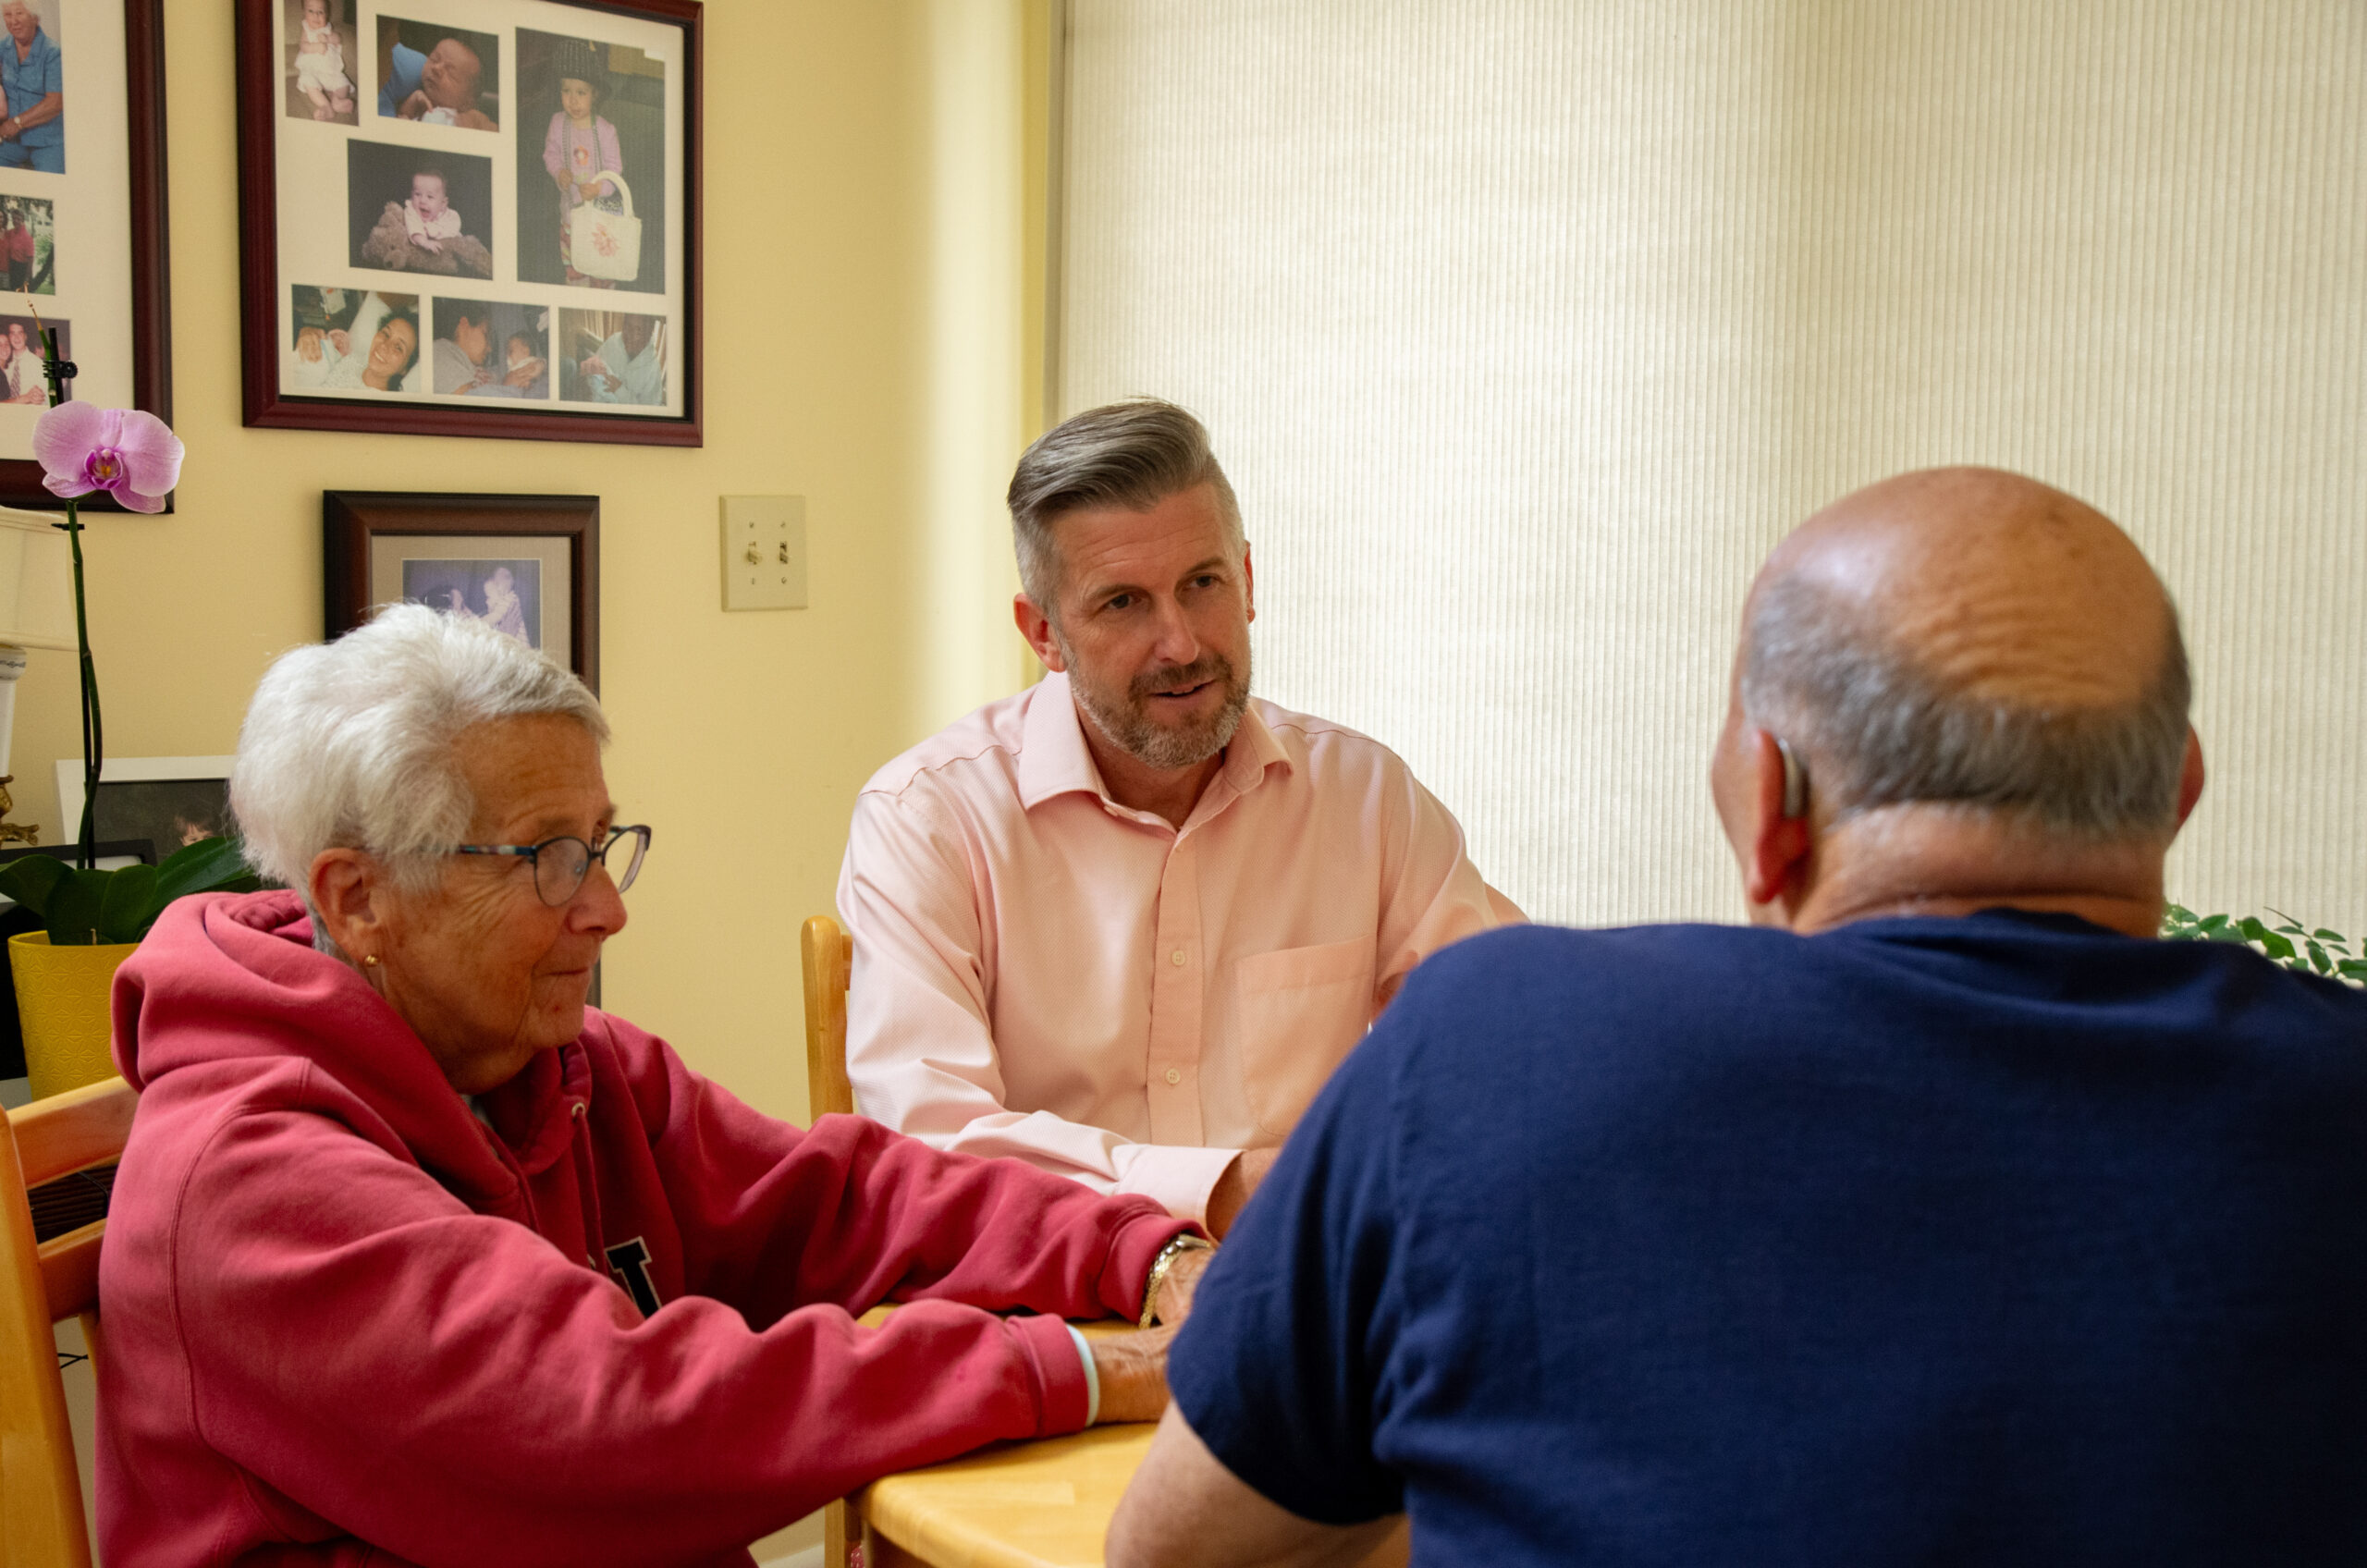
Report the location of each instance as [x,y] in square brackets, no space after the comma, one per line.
[368,961]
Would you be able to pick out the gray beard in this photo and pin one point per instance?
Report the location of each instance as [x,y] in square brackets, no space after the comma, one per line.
[1125,721]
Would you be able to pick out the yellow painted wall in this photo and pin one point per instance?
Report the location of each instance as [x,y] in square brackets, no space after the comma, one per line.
[864,312]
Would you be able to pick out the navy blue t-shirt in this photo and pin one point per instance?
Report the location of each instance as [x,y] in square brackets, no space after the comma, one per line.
[1999,1240]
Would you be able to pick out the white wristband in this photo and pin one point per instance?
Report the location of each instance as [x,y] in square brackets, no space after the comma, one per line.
[1092,1377]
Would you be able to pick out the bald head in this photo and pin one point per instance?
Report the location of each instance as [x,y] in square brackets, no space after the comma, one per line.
[1972,637]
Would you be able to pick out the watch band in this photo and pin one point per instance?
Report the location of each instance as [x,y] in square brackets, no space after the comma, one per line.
[1183,1243]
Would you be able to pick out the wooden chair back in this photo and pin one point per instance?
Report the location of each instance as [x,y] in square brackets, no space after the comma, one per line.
[829,962]
[40,1284]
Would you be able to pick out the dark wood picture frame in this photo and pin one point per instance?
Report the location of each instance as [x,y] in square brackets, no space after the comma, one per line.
[351,520]
[152,284]
[266,406]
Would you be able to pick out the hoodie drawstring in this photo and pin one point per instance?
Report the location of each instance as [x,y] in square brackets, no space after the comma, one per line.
[588,1189]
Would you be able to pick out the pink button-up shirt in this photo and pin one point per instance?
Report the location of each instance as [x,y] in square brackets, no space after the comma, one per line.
[1041,972]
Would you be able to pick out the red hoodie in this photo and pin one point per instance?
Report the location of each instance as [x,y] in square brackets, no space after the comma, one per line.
[341,1314]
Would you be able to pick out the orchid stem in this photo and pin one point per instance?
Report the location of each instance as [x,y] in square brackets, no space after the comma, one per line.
[93,740]
[86,852]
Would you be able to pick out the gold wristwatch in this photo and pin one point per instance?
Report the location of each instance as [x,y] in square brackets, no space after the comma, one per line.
[1184,1243]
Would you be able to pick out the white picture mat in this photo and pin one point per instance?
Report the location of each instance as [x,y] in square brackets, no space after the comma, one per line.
[310,158]
[388,551]
[93,212]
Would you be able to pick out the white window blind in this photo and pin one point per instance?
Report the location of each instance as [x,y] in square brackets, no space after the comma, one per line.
[1525,329]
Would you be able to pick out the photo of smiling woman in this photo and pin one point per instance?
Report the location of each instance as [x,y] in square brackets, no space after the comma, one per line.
[377,350]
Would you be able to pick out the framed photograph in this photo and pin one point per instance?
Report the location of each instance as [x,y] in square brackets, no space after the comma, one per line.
[529,566]
[160,804]
[81,219]
[480,230]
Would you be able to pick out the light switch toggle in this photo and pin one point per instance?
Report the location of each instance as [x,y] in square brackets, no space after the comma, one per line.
[764,552]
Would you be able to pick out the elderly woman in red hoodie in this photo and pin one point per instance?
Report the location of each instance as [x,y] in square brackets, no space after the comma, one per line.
[416,1258]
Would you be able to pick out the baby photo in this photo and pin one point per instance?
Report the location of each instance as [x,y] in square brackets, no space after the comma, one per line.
[610,357]
[437,75]
[352,340]
[319,60]
[485,349]
[410,209]
[29,226]
[601,110]
[506,595]
[23,371]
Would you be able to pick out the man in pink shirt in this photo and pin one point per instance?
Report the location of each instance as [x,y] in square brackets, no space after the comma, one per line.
[1124,924]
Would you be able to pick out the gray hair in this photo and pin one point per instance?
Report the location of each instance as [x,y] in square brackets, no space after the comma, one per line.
[1133,454]
[1882,730]
[348,744]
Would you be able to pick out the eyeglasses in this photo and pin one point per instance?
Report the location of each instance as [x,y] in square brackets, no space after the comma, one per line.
[561,865]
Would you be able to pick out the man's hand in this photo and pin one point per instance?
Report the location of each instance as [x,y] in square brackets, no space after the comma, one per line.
[1232,1188]
[1132,1371]
[1182,1278]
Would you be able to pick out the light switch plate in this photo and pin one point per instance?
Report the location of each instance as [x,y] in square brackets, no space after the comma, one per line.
[764,552]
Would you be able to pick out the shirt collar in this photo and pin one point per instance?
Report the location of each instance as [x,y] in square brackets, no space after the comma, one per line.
[1055,760]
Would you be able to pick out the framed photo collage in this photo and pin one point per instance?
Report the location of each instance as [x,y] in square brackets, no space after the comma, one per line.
[472,217]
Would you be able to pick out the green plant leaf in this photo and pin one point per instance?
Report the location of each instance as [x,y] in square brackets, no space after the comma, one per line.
[2211,925]
[2353,968]
[2180,913]
[72,916]
[209,865]
[2323,935]
[2268,941]
[2318,959]
[123,908]
[32,880]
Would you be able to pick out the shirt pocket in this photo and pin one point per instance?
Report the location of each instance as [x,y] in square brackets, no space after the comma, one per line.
[1302,1009]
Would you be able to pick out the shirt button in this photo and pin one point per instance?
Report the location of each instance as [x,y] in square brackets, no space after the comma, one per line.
[1173,1076]
[1176,958]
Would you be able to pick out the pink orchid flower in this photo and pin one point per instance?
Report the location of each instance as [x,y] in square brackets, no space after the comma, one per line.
[132,456]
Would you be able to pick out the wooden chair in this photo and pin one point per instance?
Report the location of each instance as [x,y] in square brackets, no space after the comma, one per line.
[42,1283]
[829,962]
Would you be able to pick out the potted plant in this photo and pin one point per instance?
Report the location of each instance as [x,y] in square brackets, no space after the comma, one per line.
[2287,943]
[92,920]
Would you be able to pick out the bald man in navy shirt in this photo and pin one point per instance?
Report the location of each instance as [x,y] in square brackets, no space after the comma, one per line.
[1943,1215]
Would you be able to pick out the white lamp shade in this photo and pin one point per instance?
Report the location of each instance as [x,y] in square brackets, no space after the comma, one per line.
[36,582]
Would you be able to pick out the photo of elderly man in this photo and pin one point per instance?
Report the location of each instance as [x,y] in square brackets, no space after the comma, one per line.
[438,74]
[33,134]
[612,358]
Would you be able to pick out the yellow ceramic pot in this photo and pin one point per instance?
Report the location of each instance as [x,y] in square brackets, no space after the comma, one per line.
[62,998]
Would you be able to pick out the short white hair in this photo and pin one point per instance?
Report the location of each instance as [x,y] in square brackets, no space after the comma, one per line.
[348,744]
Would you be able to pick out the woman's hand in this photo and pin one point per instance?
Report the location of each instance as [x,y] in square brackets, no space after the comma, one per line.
[1132,1368]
